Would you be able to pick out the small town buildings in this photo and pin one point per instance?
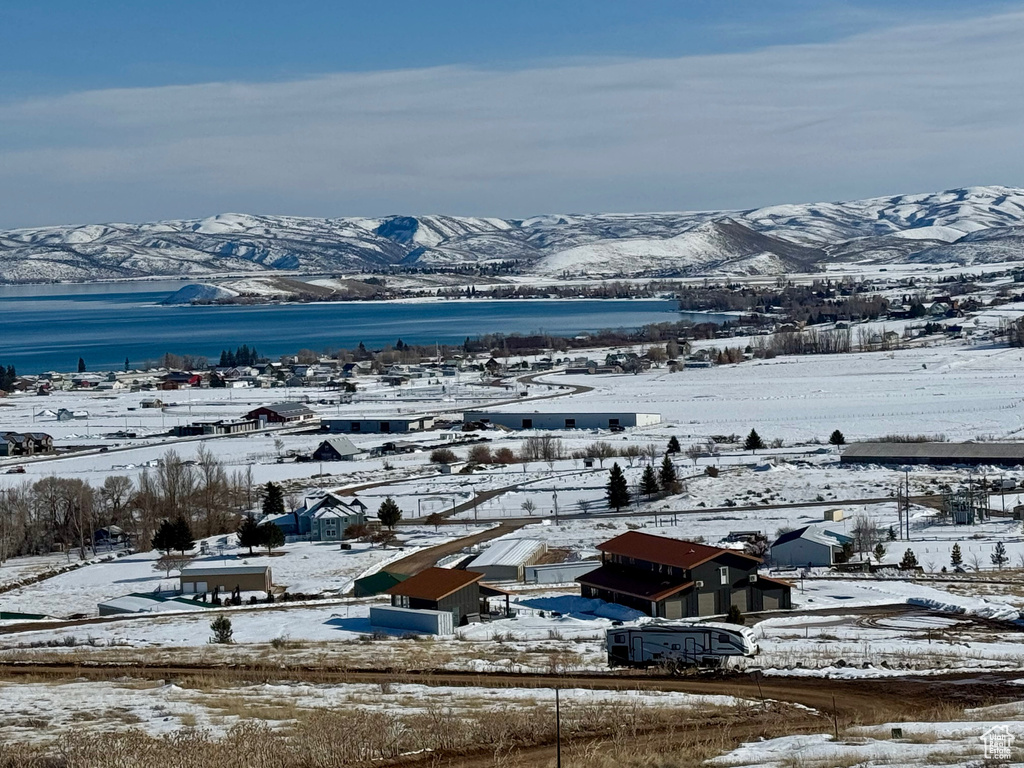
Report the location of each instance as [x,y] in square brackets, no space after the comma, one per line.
[813,546]
[336,449]
[180,380]
[378,424]
[25,444]
[442,589]
[202,577]
[935,454]
[563,420]
[222,427]
[507,560]
[153,402]
[282,413]
[675,579]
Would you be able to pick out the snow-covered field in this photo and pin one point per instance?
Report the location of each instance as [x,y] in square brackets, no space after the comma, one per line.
[960,742]
[303,567]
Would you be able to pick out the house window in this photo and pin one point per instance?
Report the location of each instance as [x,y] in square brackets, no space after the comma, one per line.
[403,601]
[355,426]
[527,423]
[570,423]
[385,426]
[723,574]
[675,646]
[613,422]
[620,639]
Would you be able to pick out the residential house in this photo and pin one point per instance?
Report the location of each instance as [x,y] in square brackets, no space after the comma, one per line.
[282,413]
[811,546]
[63,414]
[446,589]
[180,380]
[336,449]
[674,579]
[25,444]
[322,518]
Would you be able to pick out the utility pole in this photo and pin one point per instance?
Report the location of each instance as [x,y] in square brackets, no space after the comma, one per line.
[554,494]
[558,732]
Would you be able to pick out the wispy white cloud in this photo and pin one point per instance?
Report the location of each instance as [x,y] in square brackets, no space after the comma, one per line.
[913,108]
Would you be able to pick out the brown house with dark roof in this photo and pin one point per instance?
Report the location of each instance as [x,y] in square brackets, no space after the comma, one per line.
[675,579]
[445,589]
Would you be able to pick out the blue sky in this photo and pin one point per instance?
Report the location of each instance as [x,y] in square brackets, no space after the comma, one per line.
[130,111]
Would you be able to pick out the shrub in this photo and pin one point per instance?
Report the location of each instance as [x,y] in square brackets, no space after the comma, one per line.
[443,456]
[222,632]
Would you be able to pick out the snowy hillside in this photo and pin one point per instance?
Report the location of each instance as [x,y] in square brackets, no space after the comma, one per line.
[967,226]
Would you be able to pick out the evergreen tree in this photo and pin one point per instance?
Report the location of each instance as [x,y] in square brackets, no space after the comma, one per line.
[753,442]
[667,474]
[183,540]
[127,367]
[81,365]
[389,513]
[734,616]
[999,557]
[7,377]
[223,359]
[273,501]
[879,551]
[892,533]
[956,558]
[222,631]
[909,560]
[164,538]
[649,481]
[249,533]
[673,445]
[836,438]
[617,491]
[271,536]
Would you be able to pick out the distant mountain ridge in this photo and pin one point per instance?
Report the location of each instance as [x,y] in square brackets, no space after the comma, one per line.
[966,226]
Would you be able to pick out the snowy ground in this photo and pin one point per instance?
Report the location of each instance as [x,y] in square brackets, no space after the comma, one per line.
[923,744]
[39,711]
[304,567]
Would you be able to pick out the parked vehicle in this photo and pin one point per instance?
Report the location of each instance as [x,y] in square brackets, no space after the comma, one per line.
[1004,484]
[707,644]
[16,471]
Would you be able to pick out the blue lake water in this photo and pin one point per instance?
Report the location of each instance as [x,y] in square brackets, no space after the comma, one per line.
[49,327]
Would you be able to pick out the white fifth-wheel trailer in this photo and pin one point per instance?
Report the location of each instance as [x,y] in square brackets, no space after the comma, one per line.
[707,644]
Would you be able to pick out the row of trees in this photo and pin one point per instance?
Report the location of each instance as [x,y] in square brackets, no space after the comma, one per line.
[653,481]
[57,513]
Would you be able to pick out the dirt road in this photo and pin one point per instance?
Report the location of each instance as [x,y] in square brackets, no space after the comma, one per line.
[866,699]
[426,558]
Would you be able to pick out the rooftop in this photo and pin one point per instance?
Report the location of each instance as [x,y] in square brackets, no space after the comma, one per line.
[651,587]
[665,551]
[435,583]
[511,552]
[1002,451]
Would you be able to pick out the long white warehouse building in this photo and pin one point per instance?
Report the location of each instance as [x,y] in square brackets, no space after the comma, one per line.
[566,420]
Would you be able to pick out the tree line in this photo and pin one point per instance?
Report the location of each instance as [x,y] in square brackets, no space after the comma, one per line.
[63,514]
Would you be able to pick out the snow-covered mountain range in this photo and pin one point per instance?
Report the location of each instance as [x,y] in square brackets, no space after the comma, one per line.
[966,226]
